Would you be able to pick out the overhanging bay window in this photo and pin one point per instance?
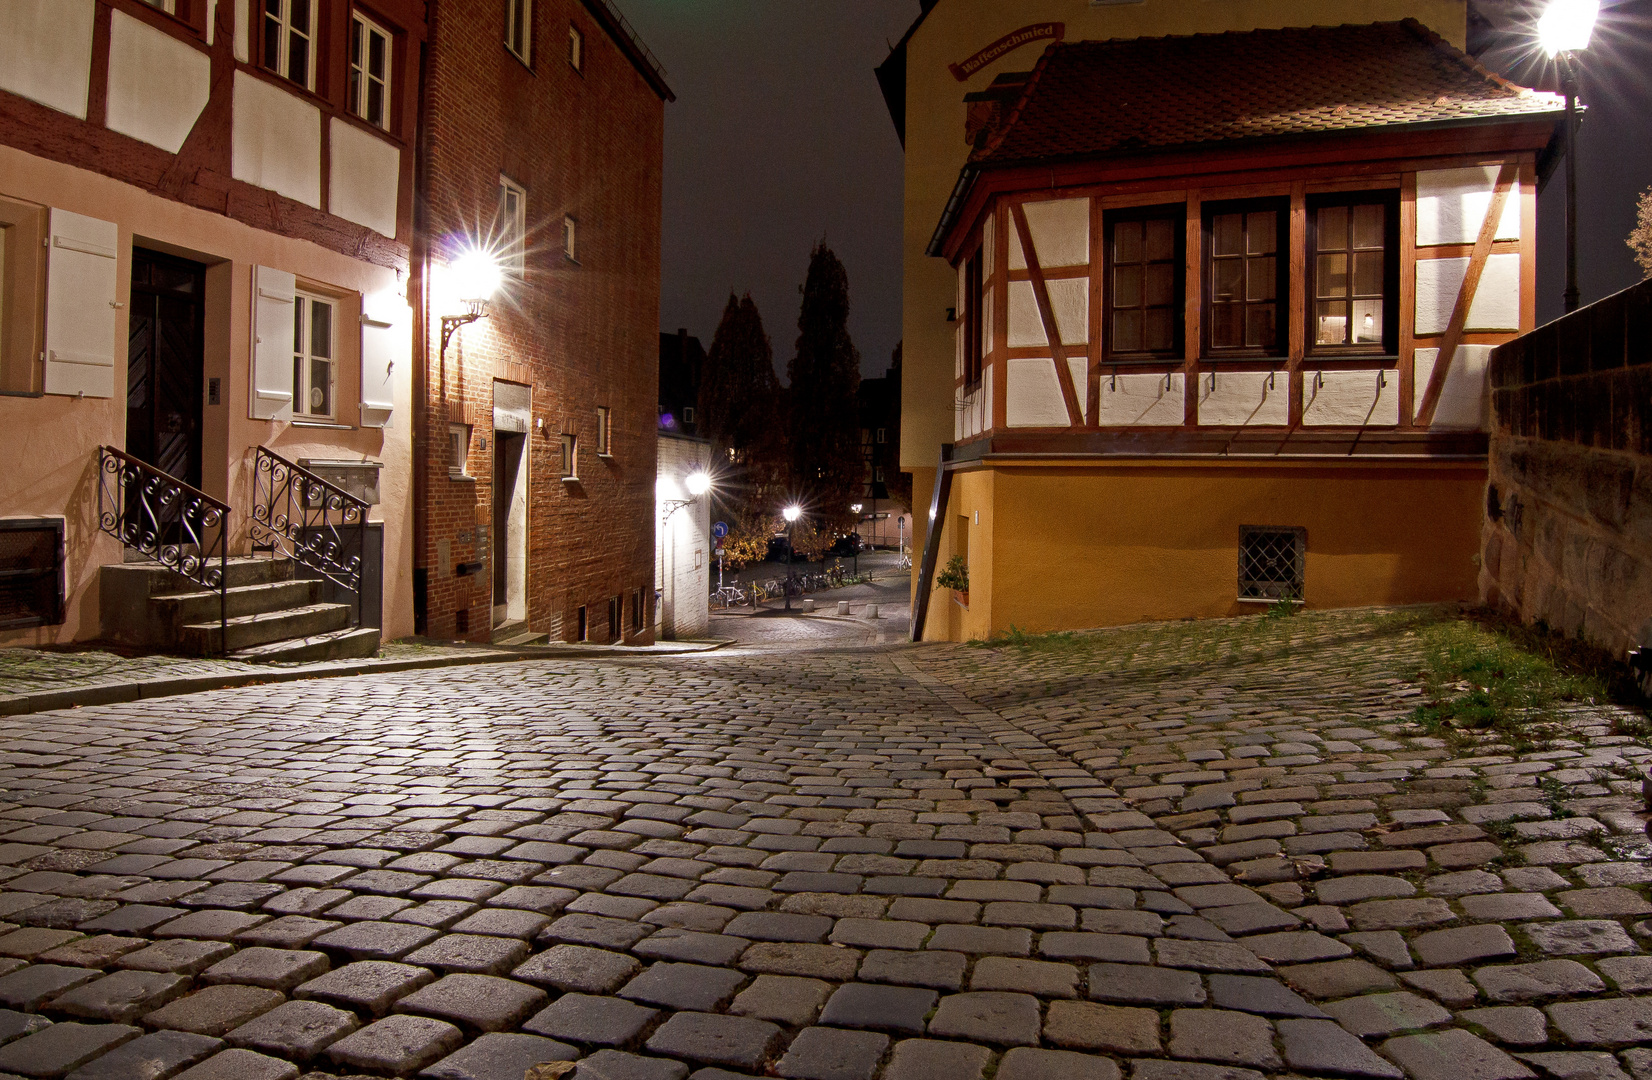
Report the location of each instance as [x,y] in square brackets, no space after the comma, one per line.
[1245,269]
[1353,274]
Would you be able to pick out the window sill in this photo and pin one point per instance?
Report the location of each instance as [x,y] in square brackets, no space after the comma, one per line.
[518,57]
[605,457]
[570,479]
[465,478]
[328,425]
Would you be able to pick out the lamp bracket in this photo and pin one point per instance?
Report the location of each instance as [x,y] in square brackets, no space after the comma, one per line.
[477,309]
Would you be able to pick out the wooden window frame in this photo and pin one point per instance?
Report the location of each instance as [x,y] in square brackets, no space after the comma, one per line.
[570,238]
[519,31]
[576,48]
[973,320]
[569,465]
[189,14]
[1280,350]
[1389,199]
[1176,215]
[23,231]
[513,227]
[360,78]
[313,81]
[303,358]
[605,431]
[458,438]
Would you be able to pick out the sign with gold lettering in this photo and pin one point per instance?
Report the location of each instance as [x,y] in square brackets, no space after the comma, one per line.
[1008,43]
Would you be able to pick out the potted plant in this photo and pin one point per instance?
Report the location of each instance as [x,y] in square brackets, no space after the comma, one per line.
[955,576]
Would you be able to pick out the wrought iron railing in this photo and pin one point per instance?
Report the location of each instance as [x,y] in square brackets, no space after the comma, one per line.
[156,514]
[297,514]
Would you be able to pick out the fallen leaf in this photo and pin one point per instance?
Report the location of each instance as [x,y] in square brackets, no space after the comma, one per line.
[550,1070]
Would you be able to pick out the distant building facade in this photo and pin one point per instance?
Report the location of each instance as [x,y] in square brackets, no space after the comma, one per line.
[682,359]
[883,499]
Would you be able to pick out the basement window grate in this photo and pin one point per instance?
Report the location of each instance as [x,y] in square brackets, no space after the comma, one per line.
[1271,562]
[31,572]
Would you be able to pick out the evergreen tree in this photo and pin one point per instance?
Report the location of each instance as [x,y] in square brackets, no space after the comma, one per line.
[827,468]
[740,408]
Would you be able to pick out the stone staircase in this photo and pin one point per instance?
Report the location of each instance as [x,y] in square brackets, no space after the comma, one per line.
[273,615]
[516,632]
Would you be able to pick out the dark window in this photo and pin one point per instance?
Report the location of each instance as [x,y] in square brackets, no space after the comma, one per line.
[519,29]
[1245,289]
[636,611]
[616,621]
[1271,562]
[583,629]
[31,572]
[289,40]
[973,302]
[1142,292]
[1353,274]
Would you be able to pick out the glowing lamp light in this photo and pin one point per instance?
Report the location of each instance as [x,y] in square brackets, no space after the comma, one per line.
[855,508]
[476,275]
[1567,25]
[697,483]
[792,513]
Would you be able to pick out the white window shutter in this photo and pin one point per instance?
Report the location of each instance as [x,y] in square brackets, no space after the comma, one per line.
[378,359]
[273,293]
[81,317]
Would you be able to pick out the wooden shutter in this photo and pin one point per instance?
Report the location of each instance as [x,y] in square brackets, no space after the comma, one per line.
[273,295]
[81,317]
[378,360]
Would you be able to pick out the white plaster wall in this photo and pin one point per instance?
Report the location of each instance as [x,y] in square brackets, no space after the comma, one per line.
[1496,303]
[366,174]
[158,85]
[46,51]
[1060,231]
[277,141]
[1070,303]
[242,31]
[683,545]
[1018,257]
[1025,327]
[1465,397]
[1142,400]
[1032,397]
[1452,205]
[973,410]
[1244,397]
[1356,398]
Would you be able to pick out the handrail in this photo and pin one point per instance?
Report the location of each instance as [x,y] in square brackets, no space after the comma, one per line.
[179,526]
[307,519]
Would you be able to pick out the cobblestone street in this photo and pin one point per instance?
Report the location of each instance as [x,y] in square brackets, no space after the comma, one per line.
[1187,852]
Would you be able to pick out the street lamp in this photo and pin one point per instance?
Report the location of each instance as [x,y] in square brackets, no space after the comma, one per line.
[1563,31]
[473,277]
[791,514]
[856,508]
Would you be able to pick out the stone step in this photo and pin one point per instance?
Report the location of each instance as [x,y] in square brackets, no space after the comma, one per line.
[525,637]
[245,631]
[202,607]
[153,579]
[333,645]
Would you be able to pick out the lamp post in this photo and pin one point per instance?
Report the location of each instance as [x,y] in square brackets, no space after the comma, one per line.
[856,508]
[791,514]
[475,278]
[1564,30]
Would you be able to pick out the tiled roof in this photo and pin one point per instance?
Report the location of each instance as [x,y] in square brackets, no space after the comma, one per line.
[1092,98]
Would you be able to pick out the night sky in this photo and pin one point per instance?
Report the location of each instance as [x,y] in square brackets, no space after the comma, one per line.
[779,138]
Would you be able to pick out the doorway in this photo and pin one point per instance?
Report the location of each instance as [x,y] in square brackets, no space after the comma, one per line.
[165,359]
[510,527]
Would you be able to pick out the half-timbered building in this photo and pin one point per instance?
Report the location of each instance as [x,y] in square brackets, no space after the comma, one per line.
[1221,317]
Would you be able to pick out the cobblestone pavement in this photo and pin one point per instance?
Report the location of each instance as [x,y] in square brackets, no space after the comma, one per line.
[1181,853]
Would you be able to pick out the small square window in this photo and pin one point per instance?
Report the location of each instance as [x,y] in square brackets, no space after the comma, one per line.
[605,430]
[570,457]
[519,29]
[570,238]
[1272,562]
[576,48]
[458,450]
[688,414]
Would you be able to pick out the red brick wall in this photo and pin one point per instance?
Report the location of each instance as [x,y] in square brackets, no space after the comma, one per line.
[582,335]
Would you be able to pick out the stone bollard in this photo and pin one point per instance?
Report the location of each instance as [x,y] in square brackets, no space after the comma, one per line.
[808,605]
[843,607]
[871,611]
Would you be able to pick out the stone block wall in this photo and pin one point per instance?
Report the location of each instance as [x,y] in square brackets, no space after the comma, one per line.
[1567,538]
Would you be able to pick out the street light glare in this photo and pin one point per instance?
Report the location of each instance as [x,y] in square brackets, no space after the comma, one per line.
[697,483]
[792,513]
[476,274]
[1567,25]
[856,508]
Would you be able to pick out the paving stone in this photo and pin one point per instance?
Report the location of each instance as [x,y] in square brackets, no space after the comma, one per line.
[236,1064]
[1463,883]
[28,943]
[220,925]
[1024,1063]
[1320,1047]
[1578,936]
[397,1045]
[1452,1054]
[1448,985]
[370,986]
[15,1025]
[577,967]
[28,988]
[738,1041]
[122,996]
[1137,985]
[1503,907]
[1399,914]
[1629,973]
[376,940]
[1615,1022]
[180,957]
[1222,1035]
[297,1029]
[1515,1025]
[879,933]
[1387,1014]
[715,950]
[1266,997]
[1528,982]
[1001,941]
[287,932]
[898,1009]
[927,1059]
[1337,978]
[472,953]
[1120,948]
[1461,945]
[274,969]
[499,1056]
[1000,1018]
[1294,947]
[1577,1065]
[478,1002]
[793,1002]
[215,1010]
[1357,887]
[1154,1069]
[790,958]
[99,951]
[62,1048]
[779,926]
[824,1054]
[155,1056]
[1385,945]
[939,970]
[683,986]
[1114,1028]
[597,1021]
[618,1065]
[1206,956]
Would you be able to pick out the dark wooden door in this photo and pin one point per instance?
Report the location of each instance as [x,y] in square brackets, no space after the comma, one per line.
[164,363]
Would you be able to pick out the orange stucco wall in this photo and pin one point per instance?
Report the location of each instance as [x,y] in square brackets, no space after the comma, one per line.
[1060,547]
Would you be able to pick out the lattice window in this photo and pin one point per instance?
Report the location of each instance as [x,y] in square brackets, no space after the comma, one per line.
[31,572]
[1271,562]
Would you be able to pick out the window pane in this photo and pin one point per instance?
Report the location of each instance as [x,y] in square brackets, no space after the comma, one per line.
[321,329]
[375,103]
[1262,233]
[356,105]
[1259,326]
[1127,335]
[1161,330]
[272,34]
[1229,232]
[1368,273]
[1161,284]
[1263,279]
[1226,331]
[321,387]
[1331,275]
[1333,228]
[1229,279]
[357,31]
[376,54]
[1161,240]
[298,383]
[1127,286]
[301,17]
[1368,226]
[1333,324]
[1368,322]
[1127,242]
[298,60]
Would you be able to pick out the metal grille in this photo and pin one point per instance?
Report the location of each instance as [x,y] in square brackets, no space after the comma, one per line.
[1271,562]
[31,572]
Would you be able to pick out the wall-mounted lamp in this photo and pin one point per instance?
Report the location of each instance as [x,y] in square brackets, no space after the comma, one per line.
[475,278]
[696,483]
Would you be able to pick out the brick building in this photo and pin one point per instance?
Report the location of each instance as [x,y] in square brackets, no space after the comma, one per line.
[534,452]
